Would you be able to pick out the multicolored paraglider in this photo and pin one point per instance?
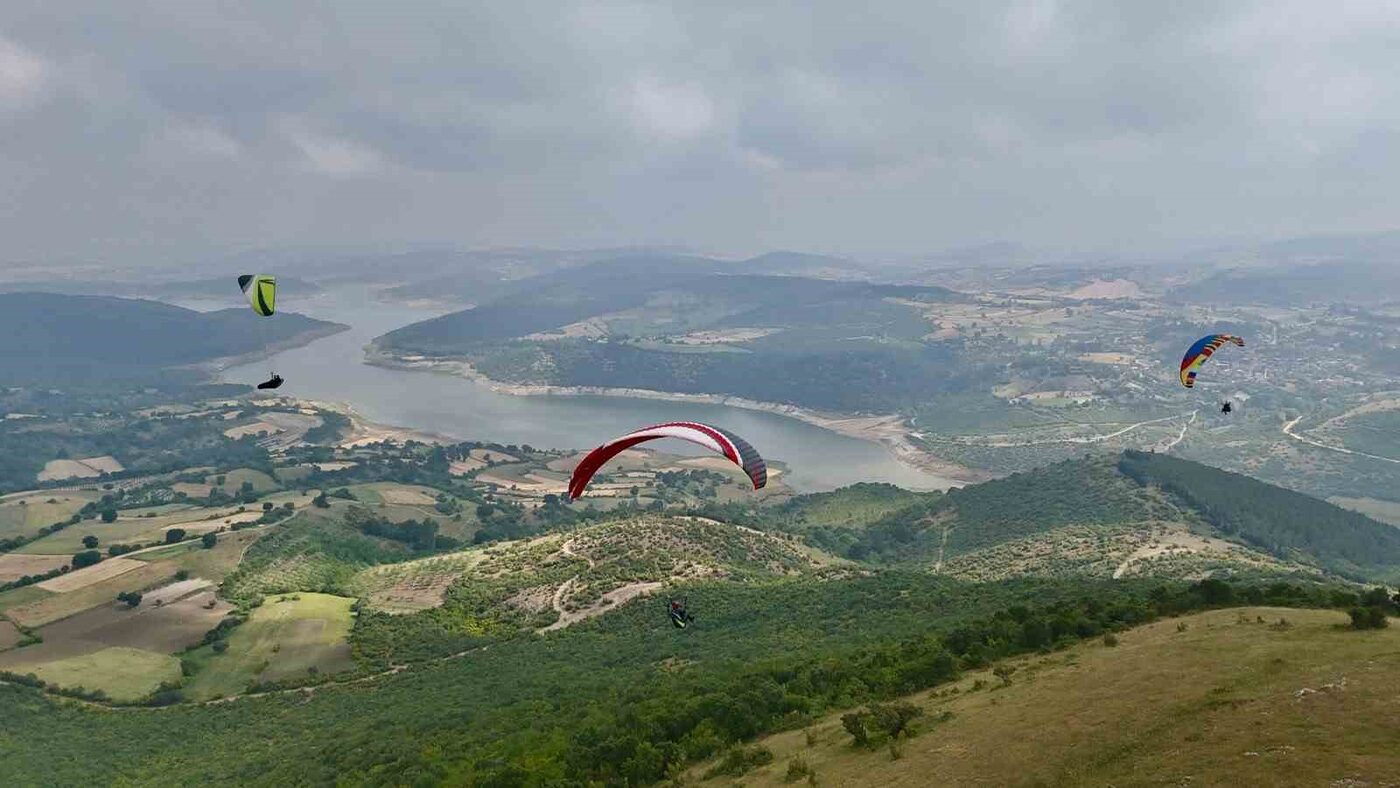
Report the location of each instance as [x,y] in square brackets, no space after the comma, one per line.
[717,440]
[261,291]
[1200,352]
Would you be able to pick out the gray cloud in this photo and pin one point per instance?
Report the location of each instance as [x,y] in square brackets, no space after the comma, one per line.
[160,130]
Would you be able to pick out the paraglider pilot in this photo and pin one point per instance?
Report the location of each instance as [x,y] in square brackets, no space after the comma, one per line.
[271,383]
[1226,407]
[679,615]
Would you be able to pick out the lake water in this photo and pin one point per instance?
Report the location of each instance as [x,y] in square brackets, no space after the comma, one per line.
[333,369]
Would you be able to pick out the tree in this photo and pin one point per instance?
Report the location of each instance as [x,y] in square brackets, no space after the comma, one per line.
[131,598]
[894,719]
[109,515]
[86,558]
[89,541]
[174,535]
[1003,672]
[209,540]
[320,502]
[267,506]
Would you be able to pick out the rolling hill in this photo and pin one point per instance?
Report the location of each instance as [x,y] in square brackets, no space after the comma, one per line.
[1135,512]
[101,340]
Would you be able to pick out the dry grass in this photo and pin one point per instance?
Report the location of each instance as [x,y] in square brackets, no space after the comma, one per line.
[82,578]
[13,566]
[1221,703]
[89,468]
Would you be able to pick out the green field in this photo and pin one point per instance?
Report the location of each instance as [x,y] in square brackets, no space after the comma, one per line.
[211,564]
[233,481]
[1212,699]
[284,639]
[25,515]
[125,674]
[128,529]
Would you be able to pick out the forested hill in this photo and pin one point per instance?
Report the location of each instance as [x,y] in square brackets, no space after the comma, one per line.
[1100,492]
[707,294]
[59,340]
[700,326]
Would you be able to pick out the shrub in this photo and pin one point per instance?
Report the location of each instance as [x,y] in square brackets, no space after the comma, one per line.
[1110,639]
[740,760]
[798,769]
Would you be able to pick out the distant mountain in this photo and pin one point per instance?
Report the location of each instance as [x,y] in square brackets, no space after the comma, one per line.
[1105,514]
[59,340]
[225,288]
[1342,282]
[783,262]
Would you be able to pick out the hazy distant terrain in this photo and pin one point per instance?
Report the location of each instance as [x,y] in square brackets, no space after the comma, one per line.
[96,341]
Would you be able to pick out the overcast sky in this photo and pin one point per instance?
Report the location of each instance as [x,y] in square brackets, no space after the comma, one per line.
[134,130]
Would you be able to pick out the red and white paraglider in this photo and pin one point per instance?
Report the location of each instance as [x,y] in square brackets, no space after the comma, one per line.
[720,441]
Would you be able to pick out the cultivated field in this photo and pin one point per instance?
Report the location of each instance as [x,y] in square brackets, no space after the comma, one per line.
[413,585]
[24,515]
[82,578]
[122,673]
[287,637]
[34,607]
[1265,696]
[127,530]
[212,564]
[13,566]
[89,468]
[9,635]
[167,621]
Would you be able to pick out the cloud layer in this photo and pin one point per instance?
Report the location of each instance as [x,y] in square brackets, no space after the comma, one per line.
[155,130]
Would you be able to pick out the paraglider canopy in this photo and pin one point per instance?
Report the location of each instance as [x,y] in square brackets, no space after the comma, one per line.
[261,291]
[718,440]
[1200,352]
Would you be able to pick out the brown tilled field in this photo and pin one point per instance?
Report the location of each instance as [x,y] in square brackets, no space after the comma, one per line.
[54,607]
[13,566]
[166,628]
[9,635]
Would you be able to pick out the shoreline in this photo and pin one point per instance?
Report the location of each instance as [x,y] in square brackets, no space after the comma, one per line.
[364,430]
[215,367]
[888,430]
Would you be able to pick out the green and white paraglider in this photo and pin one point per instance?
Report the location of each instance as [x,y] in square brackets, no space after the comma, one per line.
[261,290]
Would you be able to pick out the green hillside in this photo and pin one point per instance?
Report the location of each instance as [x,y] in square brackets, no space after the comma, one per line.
[61,340]
[1103,492]
[700,326]
[1256,696]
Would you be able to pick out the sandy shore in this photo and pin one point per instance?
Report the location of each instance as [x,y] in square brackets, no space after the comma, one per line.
[363,430]
[888,430]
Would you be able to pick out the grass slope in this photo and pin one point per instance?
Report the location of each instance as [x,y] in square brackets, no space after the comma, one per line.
[125,674]
[285,638]
[1216,704]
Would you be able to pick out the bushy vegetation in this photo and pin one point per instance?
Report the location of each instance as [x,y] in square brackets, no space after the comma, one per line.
[597,702]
